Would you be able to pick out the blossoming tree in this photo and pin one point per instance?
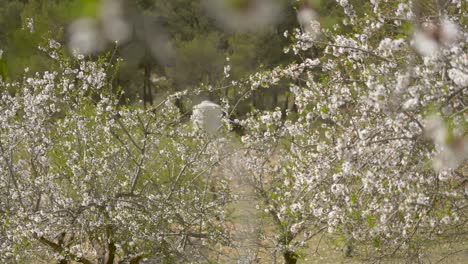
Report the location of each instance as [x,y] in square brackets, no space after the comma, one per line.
[373,155]
[85,179]
[376,154]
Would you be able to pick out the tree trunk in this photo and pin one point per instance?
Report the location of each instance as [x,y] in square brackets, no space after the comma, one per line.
[147,93]
[290,257]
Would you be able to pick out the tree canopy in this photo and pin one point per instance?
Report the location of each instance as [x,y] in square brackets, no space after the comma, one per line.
[338,122]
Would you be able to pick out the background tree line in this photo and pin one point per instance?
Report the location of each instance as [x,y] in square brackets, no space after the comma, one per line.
[193,46]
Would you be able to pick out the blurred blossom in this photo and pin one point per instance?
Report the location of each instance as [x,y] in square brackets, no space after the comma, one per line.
[451,153]
[1,54]
[89,35]
[436,130]
[114,24]
[305,15]
[148,39]
[452,156]
[424,44]
[158,42]
[244,15]
[432,35]
[142,35]
[207,116]
[449,32]
[85,36]
[308,19]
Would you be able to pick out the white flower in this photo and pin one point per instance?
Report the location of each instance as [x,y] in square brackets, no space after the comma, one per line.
[30,24]
[337,189]
[388,45]
[296,227]
[227,69]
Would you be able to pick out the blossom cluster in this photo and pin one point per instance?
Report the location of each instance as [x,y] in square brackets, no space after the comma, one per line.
[373,155]
[84,178]
[376,154]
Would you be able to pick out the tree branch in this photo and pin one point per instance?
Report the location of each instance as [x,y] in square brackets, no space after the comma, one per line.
[59,249]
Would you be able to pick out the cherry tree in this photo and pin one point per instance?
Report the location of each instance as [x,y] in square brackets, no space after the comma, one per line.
[375,156]
[88,180]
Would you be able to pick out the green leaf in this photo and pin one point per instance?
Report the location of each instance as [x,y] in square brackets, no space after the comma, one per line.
[371,221]
[354,198]
[324,110]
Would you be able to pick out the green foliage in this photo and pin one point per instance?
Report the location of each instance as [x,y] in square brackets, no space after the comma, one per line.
[20,43]
[201,46]
[199,60]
